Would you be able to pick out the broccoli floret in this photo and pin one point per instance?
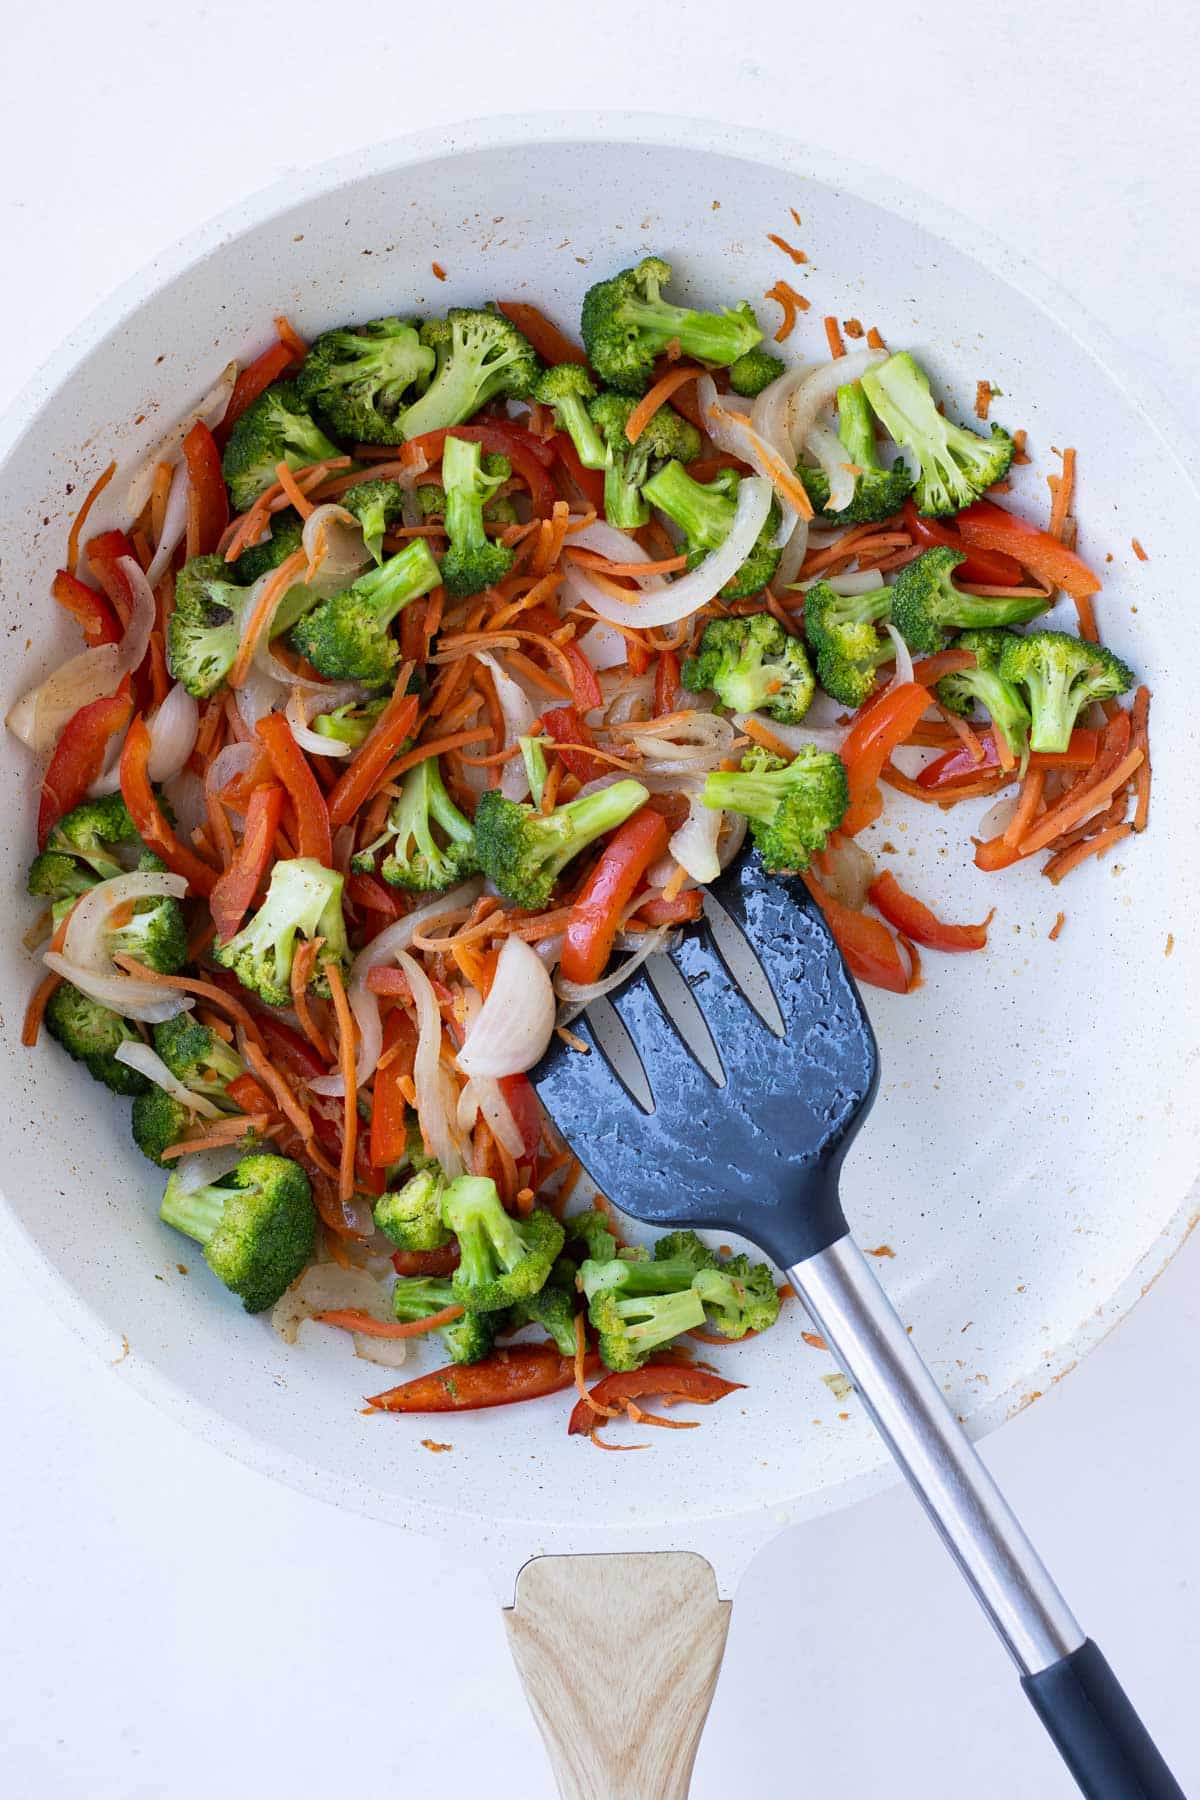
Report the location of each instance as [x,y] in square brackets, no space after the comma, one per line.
[350,724]
[591,1230]
[412,1216]
[346,636]
[626,324]
[985,686]
[956,464]
[159,1120]
[792,806]
[753,371]
[739,1296]
[637,1305]
[481,356]
[53,876]
[275,428]
[499,510]
[841,633]
[751,665]
[304,899]
[472,560]
[359,377]
[502,1260]
[878,492]
[566,389]
[204,629]
[524,851]
[553,1308]
[377,505]
[415,858]
[927,608]
[258,1226]
[1060,675]
[704,513]
[92,1034]
[284,540]
[626,466]
[467,1339]
[684,1249]
[84,847]
[197,1056]
[156,935]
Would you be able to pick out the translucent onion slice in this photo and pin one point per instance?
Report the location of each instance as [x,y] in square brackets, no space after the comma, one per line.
[830,452]
[133,999]
[311,742]
[580,993]
[85,959]
[174,524]
[733,432]
[39,715]
[483,1094]
[149,1063]
[211,408]
[332,541]
[173,731]
[200,1168]
[823,737]
[514,1025]
[694,845]
[519,714]
[904,663]
[436,1098]
[819,389]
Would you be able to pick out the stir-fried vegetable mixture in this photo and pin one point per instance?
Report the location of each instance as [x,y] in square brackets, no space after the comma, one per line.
[430,675]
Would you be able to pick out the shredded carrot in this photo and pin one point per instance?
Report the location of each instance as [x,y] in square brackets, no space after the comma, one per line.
[967,737]
[592,559]
[1138,551]
[345,1027]
[797,256]
[280,1090]
[439,274]
[983,399]
[1055,931]
[189,984]
[1062,487]
[35,1011]
[834,336]
[639,1417]
[290,337]
[1028,801]
[348,1318]
[1061,865]
[302,967]
[89,500]
[1071,811]
[874,341]
[1140,721]
[853,328]
[292,489]
[581,1387]
[1020,454]
[260,618]
[790,303]
[437,747]
[225,1131]
[657,397]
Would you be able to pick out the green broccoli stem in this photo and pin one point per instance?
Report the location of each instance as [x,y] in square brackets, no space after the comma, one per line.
[624,505]
[197,1214]
[753,792]
[1003,706]
[703,514]
[484,1230]
[856,427]
[579,821]
[572,416]
[467,487]
[708,336]
[442,809]
[387,590]
[655,1319]
[536,768]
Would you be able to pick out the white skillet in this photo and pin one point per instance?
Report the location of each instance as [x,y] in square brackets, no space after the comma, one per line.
[1030,1156]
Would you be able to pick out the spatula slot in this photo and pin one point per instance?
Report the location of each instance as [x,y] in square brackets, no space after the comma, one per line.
[745,970]
[619,1051]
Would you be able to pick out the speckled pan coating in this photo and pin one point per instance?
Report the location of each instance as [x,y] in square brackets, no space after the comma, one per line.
[1030,1157]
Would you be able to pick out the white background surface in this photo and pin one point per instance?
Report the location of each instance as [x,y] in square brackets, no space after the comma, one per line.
[171,1624]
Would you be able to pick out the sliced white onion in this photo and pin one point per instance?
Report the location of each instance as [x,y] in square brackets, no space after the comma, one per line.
[200,1168]
[435,1091]
[731,432]
[604,647]
[226,766]
[327,1287]
[483,1094]
[606,540]
[732,837]
[997,818]
[830,452]
[848,872]
[149,1063]
[185,795]
[133,999]
[515,1023]
[174,524]
[796,737]
[582,993]
[385,949]
[904,663]
[694,744]
[519,715]
[770,414]
[211,409]
[173,731]
[820,387]
[310,741]
[38,717]
[855,581]
[794,552]
[694,845]
[85,942]
[332,540]
[258,695]
[666,605]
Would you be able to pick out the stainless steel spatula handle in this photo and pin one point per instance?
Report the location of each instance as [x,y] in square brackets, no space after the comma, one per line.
[1080,1702]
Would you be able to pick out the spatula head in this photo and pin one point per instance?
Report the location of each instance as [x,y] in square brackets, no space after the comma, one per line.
[746,1131]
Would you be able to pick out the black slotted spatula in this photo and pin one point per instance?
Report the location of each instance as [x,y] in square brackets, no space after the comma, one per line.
[722,1087]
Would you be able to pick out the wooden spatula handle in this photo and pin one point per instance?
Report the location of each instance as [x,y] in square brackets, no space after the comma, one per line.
[619,1656]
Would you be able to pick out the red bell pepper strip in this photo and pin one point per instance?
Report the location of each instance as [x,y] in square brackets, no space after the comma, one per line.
[871,952]
[530,457]
[985,526]
[97,620]
[596,914]
[208,501]
[371,896]
[103,554]
[915,920]
[254,380]
[552,345]
[676,1381]
[868,745]
[79,756]
[235,890]
[666,683]
[989,568]
[956,766]
[523,1372]
[148,815]
[522,1103]
[249,1096]
[584,685]
[565,726]
[426,1262]
[304,790]
[685,906]
[367,766]
[590,482]
[389,1109]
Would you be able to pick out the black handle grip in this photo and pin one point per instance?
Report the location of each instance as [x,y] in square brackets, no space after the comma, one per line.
[1101,1739]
